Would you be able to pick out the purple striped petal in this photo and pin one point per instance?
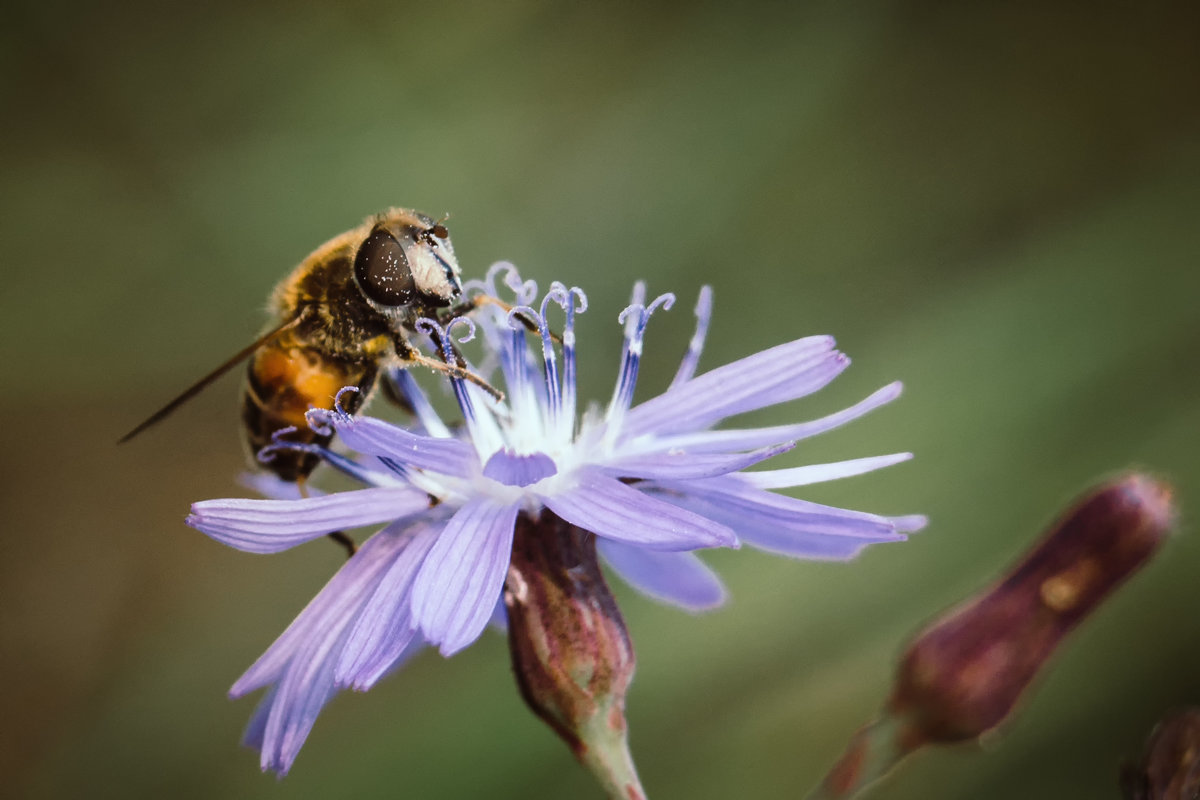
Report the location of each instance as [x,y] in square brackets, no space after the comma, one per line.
[269,526]
[817,473]
[811,546]
[456,590]
[334,606]
[306,687]
[745,439]
[301,661]
[378,438]
[607,507]
[414,646]
[910,523]
[255,733]
[680,578]
[781,524]
[731,492]
[773,376]
[385,627]
[499,619]
[685,466]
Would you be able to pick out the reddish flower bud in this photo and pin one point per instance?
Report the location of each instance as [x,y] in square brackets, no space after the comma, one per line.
[570,650]
[1171,768]
[963,674]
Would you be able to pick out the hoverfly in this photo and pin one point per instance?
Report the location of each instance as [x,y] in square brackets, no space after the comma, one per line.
[341,318]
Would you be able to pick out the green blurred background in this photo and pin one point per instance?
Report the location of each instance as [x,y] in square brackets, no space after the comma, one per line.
[998,204]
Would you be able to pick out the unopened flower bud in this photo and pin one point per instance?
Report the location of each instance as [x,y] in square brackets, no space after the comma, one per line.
[570,650]
[1171,767]
[963,674]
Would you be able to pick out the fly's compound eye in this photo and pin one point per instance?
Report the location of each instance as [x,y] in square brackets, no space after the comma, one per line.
[382,270]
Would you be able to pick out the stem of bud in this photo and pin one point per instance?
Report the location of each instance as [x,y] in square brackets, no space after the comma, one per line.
[1170,769]
[570,650]
[963,675]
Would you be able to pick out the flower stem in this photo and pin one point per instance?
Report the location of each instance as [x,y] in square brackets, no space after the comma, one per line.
[872,752]
[605,751]
[572,656]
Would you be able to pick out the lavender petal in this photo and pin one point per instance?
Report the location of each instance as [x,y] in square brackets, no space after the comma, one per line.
[305,689]
[817,473]
[456,589]
[254,734]
[744,439]
[679,578]
[609,508]
[777,375]
[385,627]
[910,523]
[781,524]
[499,619]
[333,607]
[685,466]
[269,526]
[301,661]
[378,438]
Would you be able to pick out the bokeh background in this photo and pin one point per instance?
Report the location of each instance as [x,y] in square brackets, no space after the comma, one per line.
[999,204]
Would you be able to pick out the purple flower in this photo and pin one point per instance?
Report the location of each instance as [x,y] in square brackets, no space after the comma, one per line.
[654,482]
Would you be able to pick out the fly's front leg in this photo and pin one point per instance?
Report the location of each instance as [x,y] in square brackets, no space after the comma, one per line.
[409,355]
[481,300]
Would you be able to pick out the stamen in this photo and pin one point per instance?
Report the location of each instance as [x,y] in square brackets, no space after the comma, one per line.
[447,348]
[482,429]
[575,295]
[637,299]
[634,317]
[557,294]
[406,385]
[395,467]
[525,291]
[517,375]
[687,367]
[321,420]
[487,286]
[337,400]
[267,454]
[339,462]
[441,336]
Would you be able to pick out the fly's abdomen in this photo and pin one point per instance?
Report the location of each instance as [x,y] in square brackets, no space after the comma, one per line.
[282,384]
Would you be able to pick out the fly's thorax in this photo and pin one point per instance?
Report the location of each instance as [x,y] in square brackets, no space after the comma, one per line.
[352,304]
[331,314]
[345,311]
